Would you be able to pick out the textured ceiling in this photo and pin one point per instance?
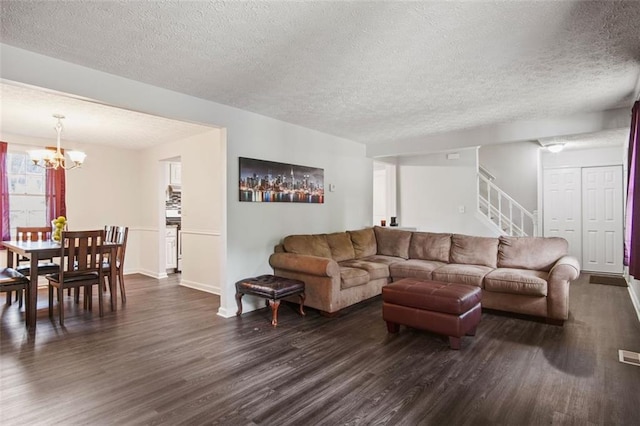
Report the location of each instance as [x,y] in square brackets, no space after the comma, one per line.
[374,72]
[29,112]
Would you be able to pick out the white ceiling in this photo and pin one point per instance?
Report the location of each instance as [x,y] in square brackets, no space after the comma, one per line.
[375,72]
[28,111]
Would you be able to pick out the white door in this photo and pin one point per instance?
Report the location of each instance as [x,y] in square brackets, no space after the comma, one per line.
[562,207]
[602,247]
[379,196]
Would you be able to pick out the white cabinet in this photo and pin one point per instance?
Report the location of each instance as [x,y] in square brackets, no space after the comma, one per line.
[171,239]
[175,174]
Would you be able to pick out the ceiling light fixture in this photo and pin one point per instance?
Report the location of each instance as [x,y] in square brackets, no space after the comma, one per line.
[50,159]
[555,148]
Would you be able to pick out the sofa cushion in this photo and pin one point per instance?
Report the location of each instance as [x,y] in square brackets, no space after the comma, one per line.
[376,270]
[392,242]
[536,253]
[474,250]
[430,246]
[414,268]
[352,277]
[462,274]
[364,242]
[313,245]
[517,281]
[341,247]
[387,260]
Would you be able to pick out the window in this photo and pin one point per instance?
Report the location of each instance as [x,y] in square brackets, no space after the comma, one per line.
[26,191]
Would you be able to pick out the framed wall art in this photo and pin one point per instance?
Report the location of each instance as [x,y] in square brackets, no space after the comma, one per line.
[271,182]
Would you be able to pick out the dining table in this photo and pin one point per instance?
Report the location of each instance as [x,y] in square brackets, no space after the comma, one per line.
[36,250]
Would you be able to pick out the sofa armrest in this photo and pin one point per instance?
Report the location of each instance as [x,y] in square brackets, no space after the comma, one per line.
[313,265]
[566,268]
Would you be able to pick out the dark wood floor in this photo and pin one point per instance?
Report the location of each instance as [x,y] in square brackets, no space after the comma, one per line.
[166,358]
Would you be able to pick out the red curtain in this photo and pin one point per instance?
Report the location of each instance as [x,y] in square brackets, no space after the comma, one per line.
[5,228]
[55,193]
[632,218]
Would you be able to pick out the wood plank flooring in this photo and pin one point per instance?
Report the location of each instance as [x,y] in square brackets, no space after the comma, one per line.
[165,358]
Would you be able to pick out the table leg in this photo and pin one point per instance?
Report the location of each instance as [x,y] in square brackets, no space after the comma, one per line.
[10,265]
[275,304]
[113,287]
[32,295]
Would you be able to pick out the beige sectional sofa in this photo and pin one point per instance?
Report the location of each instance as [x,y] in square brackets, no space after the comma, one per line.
[526,275]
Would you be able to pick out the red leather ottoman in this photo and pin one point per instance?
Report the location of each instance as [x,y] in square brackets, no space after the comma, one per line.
[444,308]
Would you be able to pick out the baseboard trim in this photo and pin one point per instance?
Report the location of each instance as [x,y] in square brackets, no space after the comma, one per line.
[635,299]
[200,286]
[147,273]
[222,312]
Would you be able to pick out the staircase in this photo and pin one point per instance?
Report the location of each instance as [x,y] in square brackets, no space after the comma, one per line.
[503,212]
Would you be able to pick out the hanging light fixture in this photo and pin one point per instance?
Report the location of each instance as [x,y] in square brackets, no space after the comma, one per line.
[49,159]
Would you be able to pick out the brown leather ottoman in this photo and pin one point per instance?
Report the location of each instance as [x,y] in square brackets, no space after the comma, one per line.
[272,288]
[444,308]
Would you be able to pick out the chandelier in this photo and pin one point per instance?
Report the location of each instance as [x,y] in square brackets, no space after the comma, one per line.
[50,159]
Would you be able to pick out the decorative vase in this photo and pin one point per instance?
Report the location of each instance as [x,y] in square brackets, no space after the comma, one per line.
[56,230]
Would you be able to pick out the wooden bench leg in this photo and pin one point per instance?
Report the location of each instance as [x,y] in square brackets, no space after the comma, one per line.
[275,304]
[239,302]
[302,304]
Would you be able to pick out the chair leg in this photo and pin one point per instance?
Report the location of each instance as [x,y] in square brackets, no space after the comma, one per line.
[51,301]
[61,304]
[88,289]
[123,294]
[107,282]
[100,301]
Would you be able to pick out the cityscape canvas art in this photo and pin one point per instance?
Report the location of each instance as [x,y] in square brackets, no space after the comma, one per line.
[272,182]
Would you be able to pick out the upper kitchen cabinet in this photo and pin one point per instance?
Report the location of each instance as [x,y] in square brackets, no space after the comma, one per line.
[175,172]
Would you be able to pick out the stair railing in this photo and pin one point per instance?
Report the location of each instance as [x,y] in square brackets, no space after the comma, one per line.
[505,212]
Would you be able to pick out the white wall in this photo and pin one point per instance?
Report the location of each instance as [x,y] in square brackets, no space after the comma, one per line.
[255,228]
[248,230]
[432,190]
[592,157]
[101,192]
[202,201]
[515,168]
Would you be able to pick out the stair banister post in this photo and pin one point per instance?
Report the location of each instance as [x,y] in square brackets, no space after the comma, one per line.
[479,195]
[488,199]
[500,210]
[510,218]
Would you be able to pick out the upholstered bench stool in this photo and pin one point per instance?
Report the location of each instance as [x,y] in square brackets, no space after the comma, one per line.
[273,289]
[444,308]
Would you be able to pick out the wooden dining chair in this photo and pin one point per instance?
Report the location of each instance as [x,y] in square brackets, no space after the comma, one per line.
[82,268]
[12,280]
[23,264]
[36,233]
[117,234]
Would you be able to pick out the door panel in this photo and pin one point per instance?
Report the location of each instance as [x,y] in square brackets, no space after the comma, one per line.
[602,219]
[562,207]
